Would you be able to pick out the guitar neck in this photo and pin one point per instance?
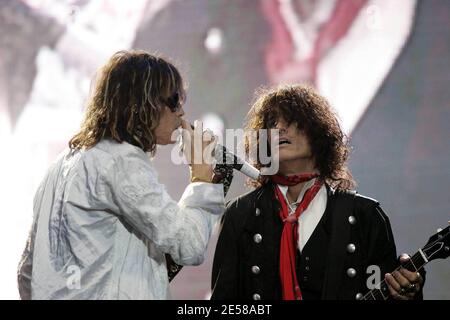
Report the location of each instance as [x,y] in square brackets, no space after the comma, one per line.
[381,292]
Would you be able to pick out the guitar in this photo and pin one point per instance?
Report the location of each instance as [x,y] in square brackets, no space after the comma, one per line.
[437,247]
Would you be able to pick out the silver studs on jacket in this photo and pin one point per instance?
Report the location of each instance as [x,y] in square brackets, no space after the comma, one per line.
[257,238]
[352,220]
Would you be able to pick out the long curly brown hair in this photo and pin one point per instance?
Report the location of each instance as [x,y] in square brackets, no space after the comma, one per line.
[314,116]
[130,92]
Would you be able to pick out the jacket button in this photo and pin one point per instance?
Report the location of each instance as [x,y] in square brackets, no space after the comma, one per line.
[351,248]
[307,258]
[351,272]
[256,297]
[256,269]
[359,296]
[257,212]
[257,238]
[352,220]
[307,268]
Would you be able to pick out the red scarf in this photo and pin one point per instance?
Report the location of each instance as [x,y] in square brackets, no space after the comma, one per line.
[289,236]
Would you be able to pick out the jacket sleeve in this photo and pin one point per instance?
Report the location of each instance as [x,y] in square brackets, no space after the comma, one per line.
[381,249]
[180,229]
[25,269]
[225,272]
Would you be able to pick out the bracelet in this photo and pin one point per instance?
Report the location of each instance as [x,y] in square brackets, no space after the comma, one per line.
[196,179]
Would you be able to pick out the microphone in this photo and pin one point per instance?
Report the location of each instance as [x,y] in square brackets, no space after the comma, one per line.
[228,159]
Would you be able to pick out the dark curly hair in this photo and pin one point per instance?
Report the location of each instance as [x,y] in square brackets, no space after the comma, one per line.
[314,116]
[130,92]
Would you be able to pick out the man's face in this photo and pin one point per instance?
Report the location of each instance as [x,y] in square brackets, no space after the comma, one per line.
[294,147]
[169,121]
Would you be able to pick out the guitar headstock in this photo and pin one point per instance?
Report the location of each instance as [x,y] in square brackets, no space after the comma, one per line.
[438,246]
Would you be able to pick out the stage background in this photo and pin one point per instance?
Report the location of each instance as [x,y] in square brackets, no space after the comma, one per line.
[383,64]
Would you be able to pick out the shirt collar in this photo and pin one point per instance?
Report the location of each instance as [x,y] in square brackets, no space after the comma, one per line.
[306,186]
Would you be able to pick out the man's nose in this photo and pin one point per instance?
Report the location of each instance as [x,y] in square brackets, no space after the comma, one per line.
[180,112]
[281,126]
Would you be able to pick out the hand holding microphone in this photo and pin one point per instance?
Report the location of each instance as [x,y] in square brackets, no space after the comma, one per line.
[200,162]
[223,157]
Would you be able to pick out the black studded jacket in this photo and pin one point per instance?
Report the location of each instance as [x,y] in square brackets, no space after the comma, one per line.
[246,260]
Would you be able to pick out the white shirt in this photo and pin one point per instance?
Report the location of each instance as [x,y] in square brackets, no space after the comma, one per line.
[102,224]
[308,220]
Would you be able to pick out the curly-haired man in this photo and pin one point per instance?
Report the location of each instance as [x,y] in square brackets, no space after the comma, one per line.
[302,233]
